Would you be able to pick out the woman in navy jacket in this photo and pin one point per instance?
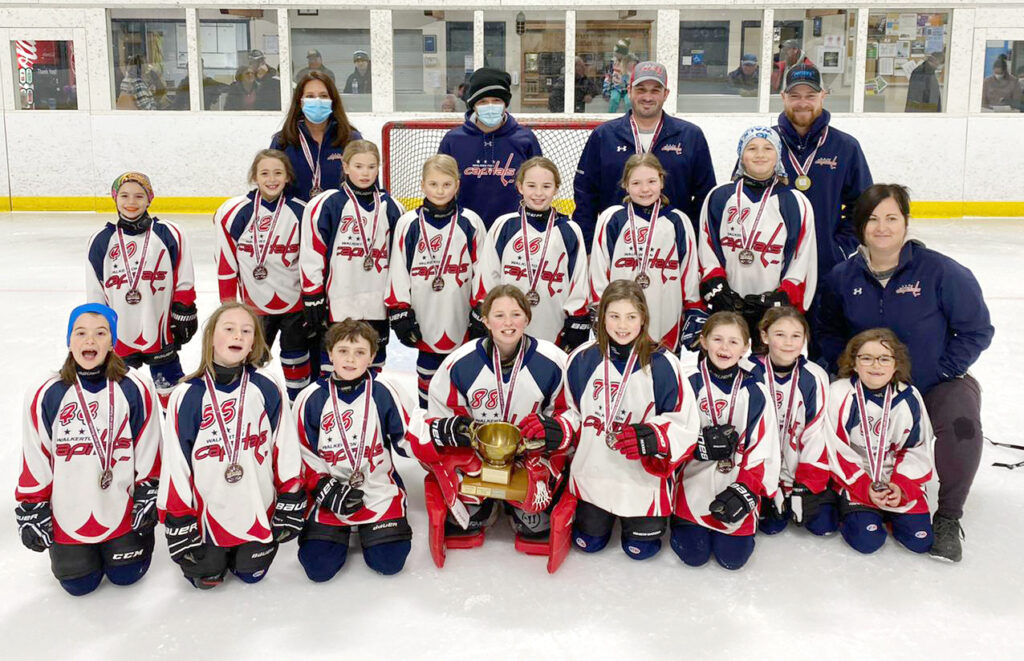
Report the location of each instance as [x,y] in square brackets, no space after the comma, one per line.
[936,307]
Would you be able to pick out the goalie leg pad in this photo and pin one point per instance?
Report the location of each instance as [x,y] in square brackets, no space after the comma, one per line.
[437,512]
[560,538]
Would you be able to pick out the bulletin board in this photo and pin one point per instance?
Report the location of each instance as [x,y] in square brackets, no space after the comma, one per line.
[897,44]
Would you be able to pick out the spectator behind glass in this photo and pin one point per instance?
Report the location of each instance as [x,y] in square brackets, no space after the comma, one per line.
[314,62]
[359,81]
[134,93]
[268,82]
[744,77]
[791,53]
[584,90]
[923,92]
[1001,90]
[242,93]
[450,103]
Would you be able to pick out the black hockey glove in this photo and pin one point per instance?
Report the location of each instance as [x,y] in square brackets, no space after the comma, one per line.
[575,331]
[184,322]
[693,325]
[184,542]
[144,506]
[477,329]
[35,525]
[407,329]
[289,516]
[719,296]
[545,433]
[733,504]
[716,442]
[805,505]
[342,499]
[451,432]
[758,304]
[314,309]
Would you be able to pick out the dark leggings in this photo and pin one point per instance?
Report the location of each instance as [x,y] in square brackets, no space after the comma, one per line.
[955,411]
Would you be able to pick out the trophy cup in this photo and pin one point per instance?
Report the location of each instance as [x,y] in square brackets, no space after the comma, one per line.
[496,443]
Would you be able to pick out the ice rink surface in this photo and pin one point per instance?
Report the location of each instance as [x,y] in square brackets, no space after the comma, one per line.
[799,597]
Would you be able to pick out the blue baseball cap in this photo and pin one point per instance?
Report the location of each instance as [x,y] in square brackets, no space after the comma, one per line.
[94,308]
[749,57]
[803,74]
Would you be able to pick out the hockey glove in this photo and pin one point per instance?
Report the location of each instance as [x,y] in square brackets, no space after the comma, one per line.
[289,516]
[451,432]
[575,331]
[542,433]
[758,304]
[35,525]
[184,542]
[144,506]
[805,504]
[538,491]
[342,499]
[693,324]
[719,296]
[403,322]
[184,322]
[477,328]
[716,442]
[733,504]
[640,440]
[314,309]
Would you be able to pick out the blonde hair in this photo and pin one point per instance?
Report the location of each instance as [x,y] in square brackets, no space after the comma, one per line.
[357,147]
[258,355]
[442,163]
[289,171]
[647,160]
[626,290]
[538,162]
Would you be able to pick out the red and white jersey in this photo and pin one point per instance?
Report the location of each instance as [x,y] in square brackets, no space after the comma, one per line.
[159,269]
[269,246]
[62,464]
[756,462]
[908,444]
[335,247]
[671,264]
[801,402]
[362,429]
[195,460]
[443,315]
[657,395]
[776,240]
[557,268]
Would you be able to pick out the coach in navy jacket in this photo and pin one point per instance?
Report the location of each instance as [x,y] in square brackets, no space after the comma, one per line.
[680,147]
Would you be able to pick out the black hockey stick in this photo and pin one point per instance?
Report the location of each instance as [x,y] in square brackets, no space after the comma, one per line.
[1010,466]
[1012,446]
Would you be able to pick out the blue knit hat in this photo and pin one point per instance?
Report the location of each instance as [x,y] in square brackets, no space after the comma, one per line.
[765,133]
[94,308]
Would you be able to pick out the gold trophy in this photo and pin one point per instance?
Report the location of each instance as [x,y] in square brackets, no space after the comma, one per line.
[496,443]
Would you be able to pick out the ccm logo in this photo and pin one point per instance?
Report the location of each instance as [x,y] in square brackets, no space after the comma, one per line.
[127,556]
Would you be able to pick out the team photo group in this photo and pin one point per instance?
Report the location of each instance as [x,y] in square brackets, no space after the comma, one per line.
[702,362]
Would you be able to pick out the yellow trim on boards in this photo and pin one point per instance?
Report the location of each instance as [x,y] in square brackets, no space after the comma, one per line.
[207,205]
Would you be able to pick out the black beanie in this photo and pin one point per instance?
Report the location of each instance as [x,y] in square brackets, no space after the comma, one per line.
[489,82]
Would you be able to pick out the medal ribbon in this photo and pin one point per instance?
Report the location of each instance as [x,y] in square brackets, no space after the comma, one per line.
[706,377]
[104,451]
[645,258]
[535,277]
[260,254]
[505,401]
[357,460]
[783,423]
[876,456]
[748,242]
[230,449]
[612,409]
[133,278]
[367,243]
[447,243]
[636,133]
[809,161]
[314,166]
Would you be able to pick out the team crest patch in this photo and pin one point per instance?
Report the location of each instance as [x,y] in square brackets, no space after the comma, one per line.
[580,543]
[920,534]
[676,149]
[872,527]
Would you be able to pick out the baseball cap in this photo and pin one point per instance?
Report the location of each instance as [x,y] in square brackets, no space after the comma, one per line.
[792,43]
[650,71]
[360,55]
[255,54]
[803,74]
[749,57]
[312,52]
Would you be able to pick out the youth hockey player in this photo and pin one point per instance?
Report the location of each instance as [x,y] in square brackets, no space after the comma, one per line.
[883,444]
[436,256]
[258,260]
[646,240]
[90,461]
[736,461]
[541,252]
[141,267]
[230,487]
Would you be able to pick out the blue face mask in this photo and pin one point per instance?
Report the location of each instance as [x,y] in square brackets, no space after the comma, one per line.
[490,114]
[316,110]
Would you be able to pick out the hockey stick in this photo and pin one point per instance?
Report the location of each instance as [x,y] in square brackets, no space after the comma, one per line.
[1010,466]
[1012,446]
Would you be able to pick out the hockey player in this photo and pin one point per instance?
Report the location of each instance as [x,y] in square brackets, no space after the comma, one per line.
[736,461]
[511,377]
[345,253]
[883,445]
[757,245]
[258,260]
[799,389]
[635,417]
[436,253]
[646,240]
[349,424]
[230,487]
[141,267]
[552,273]
[90,460]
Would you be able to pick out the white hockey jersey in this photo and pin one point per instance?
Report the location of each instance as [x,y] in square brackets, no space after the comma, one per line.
[778,236]
[62,464]
[557,268]
[159,269]
[671,264]
[272,242]
[195,459]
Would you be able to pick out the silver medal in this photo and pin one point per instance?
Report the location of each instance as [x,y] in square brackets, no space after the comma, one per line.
[725,465]
[260,272]
[643,281]
[879,486]
[609,439]
[532,297]
[437,284]
[134,296]
[746,257]
[106,478]
[233,473]
[356,480]
[314,191]
[368,263]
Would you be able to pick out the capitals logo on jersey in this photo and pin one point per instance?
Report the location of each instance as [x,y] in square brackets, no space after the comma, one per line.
[656,262]
[760,246]
[506,174]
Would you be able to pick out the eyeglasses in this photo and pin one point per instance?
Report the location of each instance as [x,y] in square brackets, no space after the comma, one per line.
[867,359]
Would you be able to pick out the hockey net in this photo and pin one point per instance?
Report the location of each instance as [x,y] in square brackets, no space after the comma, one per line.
[406,145]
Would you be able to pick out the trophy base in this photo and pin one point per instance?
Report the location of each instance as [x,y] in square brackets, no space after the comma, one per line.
[515,490]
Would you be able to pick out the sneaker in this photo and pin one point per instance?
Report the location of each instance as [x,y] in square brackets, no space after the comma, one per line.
[947,534]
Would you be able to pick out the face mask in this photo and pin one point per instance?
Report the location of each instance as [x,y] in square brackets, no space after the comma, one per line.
[316,110]
[490,114]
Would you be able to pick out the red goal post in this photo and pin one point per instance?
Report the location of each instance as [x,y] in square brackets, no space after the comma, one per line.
[406,145]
